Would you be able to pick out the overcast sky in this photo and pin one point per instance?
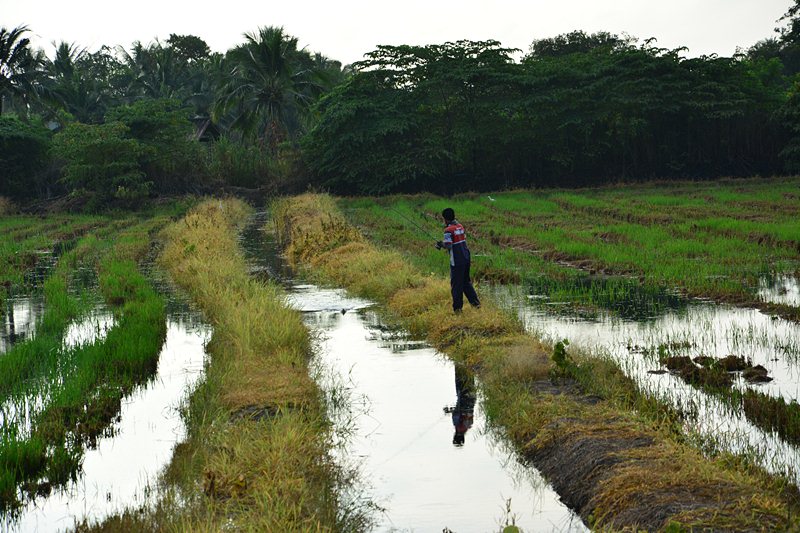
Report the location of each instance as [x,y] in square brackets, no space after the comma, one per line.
[347,29]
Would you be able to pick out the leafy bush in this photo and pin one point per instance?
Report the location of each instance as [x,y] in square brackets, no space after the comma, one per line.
[240,164]
[6,206]
[23,156]
[169,156]
[101,162]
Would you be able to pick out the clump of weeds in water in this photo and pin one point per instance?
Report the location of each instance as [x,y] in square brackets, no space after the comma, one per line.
[565,366]
[715,377]
[772,414]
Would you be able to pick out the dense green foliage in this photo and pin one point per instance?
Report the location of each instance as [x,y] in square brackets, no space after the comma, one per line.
[101,161]
[268,86]
[577,109]
[169,157]
[23,157]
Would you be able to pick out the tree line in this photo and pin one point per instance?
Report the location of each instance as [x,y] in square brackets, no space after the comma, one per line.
[119,124]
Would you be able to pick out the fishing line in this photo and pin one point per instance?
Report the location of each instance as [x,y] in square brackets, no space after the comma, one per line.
[420,228]
[426,233]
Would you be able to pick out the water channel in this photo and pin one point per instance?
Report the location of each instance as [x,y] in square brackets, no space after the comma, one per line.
[413,426]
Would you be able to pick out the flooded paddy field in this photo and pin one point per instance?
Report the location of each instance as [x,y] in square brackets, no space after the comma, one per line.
[691,289]
[98,356]
[701,329]
[121,469]
[409,421]
[731,241]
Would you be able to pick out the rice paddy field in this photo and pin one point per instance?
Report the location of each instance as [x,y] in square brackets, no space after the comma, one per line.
[691,289]
[83,328]
[203,366]
[633,249]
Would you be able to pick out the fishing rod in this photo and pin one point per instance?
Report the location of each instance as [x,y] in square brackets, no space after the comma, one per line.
[426,232]
[420,228]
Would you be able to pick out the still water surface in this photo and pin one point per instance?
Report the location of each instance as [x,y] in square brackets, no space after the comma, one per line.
[412,424]
[122,470]
[410,409]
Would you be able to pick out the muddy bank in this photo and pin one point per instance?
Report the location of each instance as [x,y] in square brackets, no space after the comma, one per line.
[622,477]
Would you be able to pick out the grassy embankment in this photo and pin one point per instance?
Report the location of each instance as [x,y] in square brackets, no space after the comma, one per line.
[256,455]
[58,398]
[617,468]
[623,249]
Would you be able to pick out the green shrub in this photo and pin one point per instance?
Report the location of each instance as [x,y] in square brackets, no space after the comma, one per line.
[170,157]
[101,162]
[7,207]
[23,157]
[239,164]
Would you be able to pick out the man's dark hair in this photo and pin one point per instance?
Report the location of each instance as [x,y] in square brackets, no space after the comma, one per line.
[448,214]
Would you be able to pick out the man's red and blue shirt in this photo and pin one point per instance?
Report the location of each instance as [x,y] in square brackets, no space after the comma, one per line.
[455,239]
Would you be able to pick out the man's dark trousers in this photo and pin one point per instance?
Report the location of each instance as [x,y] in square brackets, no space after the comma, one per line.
[460,285]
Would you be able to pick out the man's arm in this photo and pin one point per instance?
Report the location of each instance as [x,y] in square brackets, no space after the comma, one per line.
[448,240]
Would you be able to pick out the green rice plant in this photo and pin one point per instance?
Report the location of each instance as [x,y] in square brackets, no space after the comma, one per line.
[80,388]
[772,414]
[710,240]
[29,359]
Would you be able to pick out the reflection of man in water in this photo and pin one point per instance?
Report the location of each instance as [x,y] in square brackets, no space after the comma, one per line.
[465,404]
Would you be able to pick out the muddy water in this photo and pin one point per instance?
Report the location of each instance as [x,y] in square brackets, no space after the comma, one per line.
[412,424]
[122,470]
[700,329]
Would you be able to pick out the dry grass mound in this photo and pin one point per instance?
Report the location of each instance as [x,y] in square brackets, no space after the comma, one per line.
[258,434]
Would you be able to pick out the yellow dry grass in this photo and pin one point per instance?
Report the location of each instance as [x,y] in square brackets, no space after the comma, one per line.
[257,428]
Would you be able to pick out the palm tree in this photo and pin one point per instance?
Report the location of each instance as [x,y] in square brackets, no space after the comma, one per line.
[19,67]
[267,87]
[72,85]
[155,71]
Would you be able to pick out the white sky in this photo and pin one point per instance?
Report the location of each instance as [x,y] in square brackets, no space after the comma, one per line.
[347,29]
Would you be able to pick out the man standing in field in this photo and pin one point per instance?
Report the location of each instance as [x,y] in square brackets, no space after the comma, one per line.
[455,241]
